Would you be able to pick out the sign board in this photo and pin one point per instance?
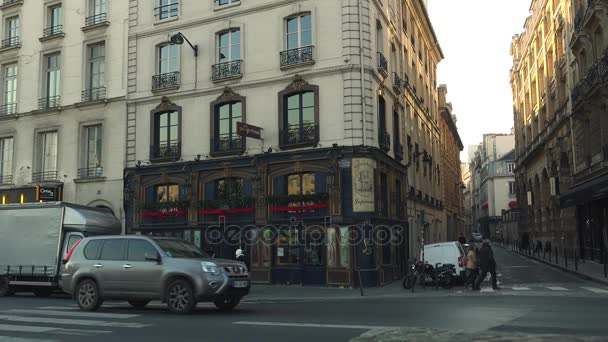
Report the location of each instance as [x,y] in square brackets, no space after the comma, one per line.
[46,193]
[249,131]
[363,185]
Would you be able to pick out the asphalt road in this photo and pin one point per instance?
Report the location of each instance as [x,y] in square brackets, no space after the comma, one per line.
[534,299]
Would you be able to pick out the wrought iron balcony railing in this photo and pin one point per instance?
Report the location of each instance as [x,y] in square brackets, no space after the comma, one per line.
[6,179]
[397,83]
[166,11]
[398,151]
[382,64]
[596,73]
[299,56]
[11,42]
[228,144]
[96,19]
[226,70]
[8,109]
[9,3]
[45,176]
[93,94]
[384,140]
[165,151]
[49,102]
[168,80]
[53,31]
[90,172]
[300,134]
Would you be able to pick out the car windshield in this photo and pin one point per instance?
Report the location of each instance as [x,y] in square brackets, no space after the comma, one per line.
[180,249]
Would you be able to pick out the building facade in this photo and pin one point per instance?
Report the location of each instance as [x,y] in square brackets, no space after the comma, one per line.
[451,177]
[342,133]
[467,200]
[63,102]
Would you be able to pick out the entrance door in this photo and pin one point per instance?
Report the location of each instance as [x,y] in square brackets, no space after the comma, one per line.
[314,270]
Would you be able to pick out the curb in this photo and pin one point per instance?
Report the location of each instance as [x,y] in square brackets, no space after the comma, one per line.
[562,268]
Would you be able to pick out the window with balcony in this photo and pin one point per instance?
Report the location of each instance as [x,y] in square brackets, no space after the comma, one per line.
[6,160]
[398,147]
[95,89]
[384,138]
[381,59]
[228,55]
[298,40]
[55,21]
[167,9]
[47,158]
[11,33]
[52,82]
[166,140]
[299,115]
[226,136]
[97,13]
[9,89]
[167,76]
[92,142]
[226,2]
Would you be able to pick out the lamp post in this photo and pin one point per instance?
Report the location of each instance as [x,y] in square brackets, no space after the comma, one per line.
[179,38]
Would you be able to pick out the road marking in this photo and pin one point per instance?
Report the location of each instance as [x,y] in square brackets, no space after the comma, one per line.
[595,290]
[487,290]
[557,288]
[46,320]
[25,328]
[58,307]
[521,288]
[71,313]
[20,339]
[313,325]
[517,266]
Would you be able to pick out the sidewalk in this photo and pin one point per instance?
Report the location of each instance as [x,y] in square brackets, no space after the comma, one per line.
[585,269]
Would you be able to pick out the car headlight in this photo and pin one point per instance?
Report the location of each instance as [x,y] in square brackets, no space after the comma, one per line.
[209,267]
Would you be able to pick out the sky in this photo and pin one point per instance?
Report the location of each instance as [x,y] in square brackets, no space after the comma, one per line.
[475,37]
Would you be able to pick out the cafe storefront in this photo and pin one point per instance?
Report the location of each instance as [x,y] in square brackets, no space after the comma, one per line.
[319,217]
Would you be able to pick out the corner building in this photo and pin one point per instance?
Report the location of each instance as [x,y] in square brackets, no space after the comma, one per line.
[342,116]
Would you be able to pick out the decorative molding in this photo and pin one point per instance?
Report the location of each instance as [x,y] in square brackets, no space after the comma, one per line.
[298,84]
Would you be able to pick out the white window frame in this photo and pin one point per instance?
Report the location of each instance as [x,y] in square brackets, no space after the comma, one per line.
[52,20]
[97,162]
[512,188]
[169,14]
[48,163]
[7,148]
[97,7]
[228,3]
[510,167]
[159,61]
[10,30]
[92,62]
[299,30]
[47,75]
[231,45]
[14,93]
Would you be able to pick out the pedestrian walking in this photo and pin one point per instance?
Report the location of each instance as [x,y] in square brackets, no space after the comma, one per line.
[471,268]
[487,264]
[240,256]
[462,239]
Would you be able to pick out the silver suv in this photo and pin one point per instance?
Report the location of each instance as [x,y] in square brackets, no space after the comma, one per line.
[140,269]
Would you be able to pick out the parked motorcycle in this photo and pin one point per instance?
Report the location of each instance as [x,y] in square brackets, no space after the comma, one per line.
[443,275]
[419,271]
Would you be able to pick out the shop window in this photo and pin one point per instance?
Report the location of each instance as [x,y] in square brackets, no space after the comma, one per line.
[231,198]
[288,248]
[165,203]
[299,194]
[314,247]
[338,248]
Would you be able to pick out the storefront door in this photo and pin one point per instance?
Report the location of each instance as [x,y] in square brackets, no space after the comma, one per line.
[314,257]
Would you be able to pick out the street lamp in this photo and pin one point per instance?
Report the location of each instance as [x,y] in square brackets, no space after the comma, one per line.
[179,39]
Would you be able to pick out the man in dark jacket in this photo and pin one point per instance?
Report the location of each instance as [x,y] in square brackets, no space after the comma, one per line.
[486,264]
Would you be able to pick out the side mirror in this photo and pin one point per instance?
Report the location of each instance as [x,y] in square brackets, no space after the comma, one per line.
[155,257]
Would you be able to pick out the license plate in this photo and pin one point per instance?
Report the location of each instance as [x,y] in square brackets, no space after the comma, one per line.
[240,283]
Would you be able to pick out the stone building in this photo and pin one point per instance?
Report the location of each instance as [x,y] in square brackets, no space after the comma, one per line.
[62,107]
[467,200]
[451,177]
[343,132]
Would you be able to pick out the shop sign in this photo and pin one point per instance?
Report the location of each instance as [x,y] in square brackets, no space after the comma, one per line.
[249,131]
[44,193]
[363,185]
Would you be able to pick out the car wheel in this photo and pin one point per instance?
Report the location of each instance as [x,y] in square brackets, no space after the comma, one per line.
[180,297]
[5,288]
[138,304]
[227,303]
[87,295]
[43,292]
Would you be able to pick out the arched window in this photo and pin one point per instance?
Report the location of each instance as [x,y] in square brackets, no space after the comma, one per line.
[299,115]
[226,112]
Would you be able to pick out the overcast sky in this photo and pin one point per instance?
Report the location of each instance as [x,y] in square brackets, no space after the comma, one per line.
[475,37]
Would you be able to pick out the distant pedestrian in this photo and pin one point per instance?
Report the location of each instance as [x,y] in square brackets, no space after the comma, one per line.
[240,256]
[471,268]
[462,239]
[487,264]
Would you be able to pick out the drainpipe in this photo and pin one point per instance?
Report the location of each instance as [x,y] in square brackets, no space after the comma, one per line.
[363,122]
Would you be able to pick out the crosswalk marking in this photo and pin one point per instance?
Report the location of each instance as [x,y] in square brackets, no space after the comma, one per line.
[521,288]
[21,339]
[71,313]
[557,288]
[25,328]
[595,290]
[46,320]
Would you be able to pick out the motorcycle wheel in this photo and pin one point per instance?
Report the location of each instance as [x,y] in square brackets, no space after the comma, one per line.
[446,282]
[408,282]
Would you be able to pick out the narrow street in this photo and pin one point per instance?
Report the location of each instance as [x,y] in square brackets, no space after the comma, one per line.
[534,299]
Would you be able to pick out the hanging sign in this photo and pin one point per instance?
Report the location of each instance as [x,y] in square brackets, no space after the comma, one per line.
[363,185]
[249,131]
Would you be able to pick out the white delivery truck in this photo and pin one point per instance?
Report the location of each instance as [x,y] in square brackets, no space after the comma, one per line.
[35,239]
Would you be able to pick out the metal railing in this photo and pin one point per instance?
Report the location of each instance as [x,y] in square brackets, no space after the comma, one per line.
[298,56]
[398,151]
[96,19]
[397,83]
[228,144]
[8,3]
[10,42]
[226,70]
[45,176]
[165,151]
[90,172]
[6,179]
[49,102]
[93,94]
[165,81]
[52,31]
[382,64]
[166,11]
[596,73]
[8,109]
[384,140]
[300,134]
